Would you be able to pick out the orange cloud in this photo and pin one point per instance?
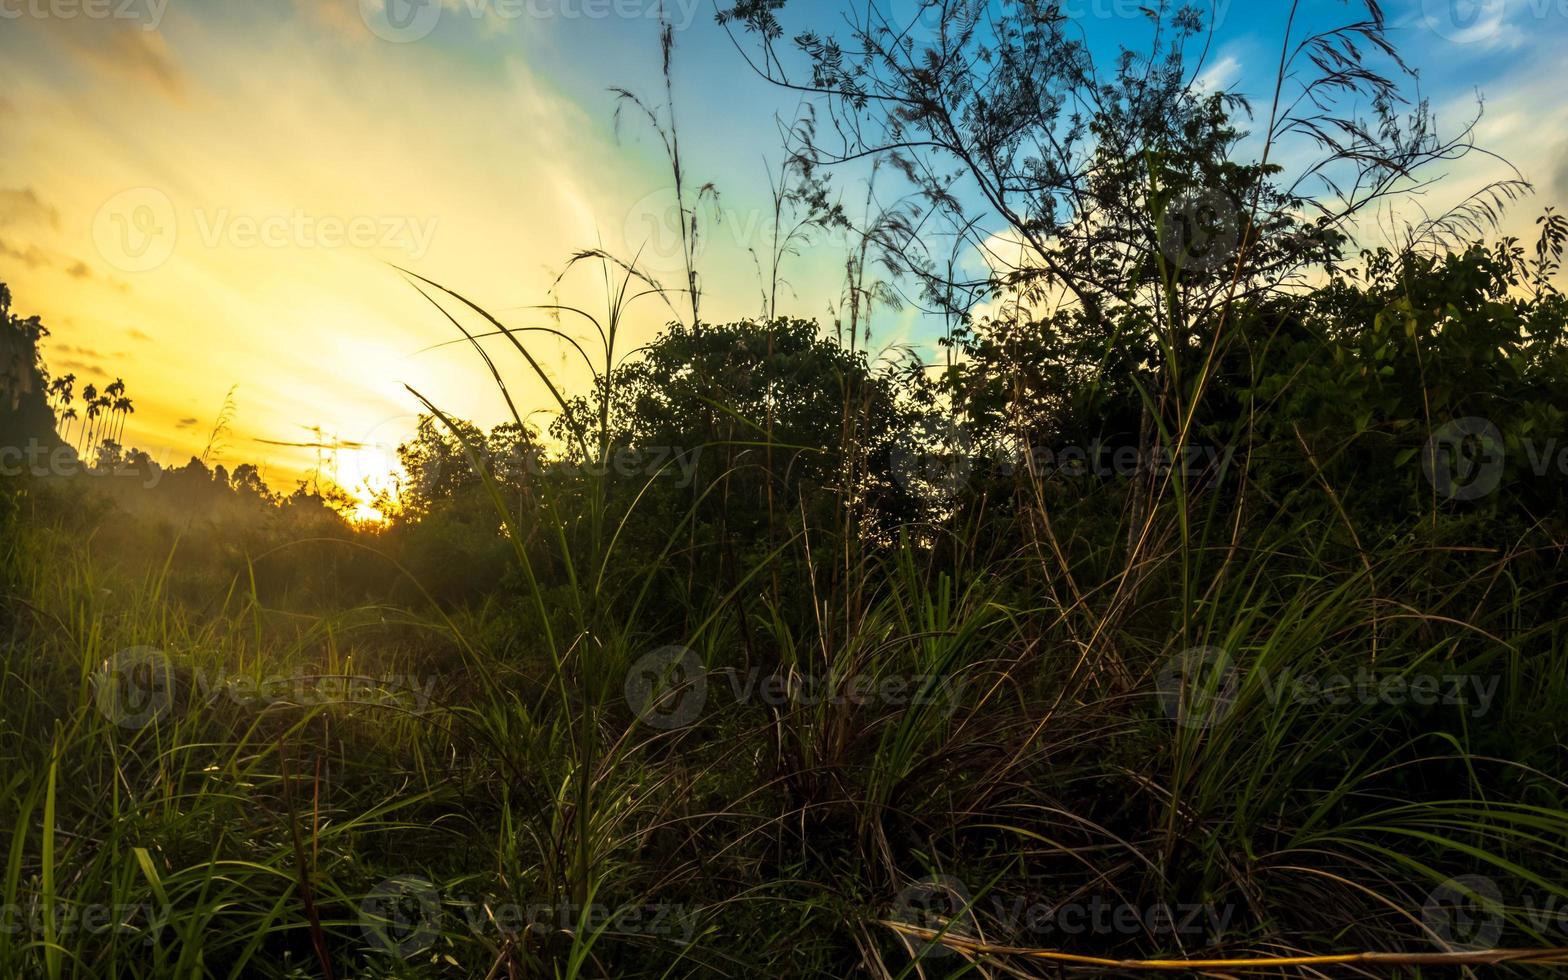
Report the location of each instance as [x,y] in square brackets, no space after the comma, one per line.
[23,205]
[341,18]
[122,49]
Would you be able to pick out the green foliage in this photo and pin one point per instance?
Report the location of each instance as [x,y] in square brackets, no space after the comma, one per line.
[1018,629]
[24,415]
[773,411]
[1365,372]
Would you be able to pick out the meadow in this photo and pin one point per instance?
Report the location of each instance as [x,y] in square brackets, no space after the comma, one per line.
[1207,622]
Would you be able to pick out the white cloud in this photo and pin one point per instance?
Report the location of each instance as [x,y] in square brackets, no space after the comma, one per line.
[1219,76]
[1475,26]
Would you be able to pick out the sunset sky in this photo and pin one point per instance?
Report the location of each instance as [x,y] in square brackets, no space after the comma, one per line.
[199,196]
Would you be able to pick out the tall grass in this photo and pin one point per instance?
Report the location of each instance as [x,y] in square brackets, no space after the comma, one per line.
[912,754]
[1050,749]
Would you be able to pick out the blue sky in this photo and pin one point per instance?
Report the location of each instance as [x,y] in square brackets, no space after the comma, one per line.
[271,160]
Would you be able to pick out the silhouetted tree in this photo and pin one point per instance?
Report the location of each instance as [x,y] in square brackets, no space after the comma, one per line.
[25,413]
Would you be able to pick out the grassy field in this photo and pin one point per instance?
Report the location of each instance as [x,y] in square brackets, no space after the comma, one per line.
[221,764]
[1193,611]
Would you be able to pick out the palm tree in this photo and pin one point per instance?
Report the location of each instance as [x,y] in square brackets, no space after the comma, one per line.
[104,403]
[112,394]
[94,409]
[97,418]
[90,399]
[85,439]
[122,408]
[61,392]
